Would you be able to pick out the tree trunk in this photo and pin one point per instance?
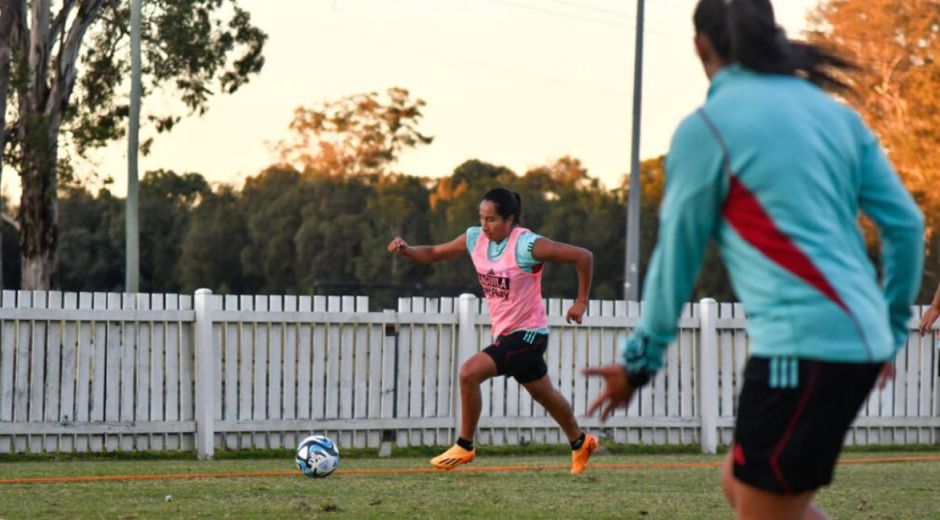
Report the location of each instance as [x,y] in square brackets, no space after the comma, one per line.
[43,100]
[39,217]
[38,231]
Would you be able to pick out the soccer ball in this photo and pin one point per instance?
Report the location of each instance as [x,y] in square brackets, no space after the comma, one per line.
[317,456]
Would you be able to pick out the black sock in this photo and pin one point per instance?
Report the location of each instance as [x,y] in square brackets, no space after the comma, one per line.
[464,443]
[577,443]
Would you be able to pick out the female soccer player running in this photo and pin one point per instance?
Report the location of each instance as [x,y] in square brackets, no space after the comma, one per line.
[777,171]
[508,259]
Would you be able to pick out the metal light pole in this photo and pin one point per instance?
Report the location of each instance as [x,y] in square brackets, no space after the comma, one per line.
[132,227]
[631,280]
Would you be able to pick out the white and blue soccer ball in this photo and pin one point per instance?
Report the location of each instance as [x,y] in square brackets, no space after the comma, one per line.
[317,456]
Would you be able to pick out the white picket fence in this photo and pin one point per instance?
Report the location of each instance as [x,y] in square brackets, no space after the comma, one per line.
[122,372]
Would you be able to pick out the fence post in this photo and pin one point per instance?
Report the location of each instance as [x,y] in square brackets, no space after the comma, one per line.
[466,347]
[389,380]
[707,374]
[205,377]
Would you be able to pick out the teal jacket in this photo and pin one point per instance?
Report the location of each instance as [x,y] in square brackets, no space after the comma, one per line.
[776,171]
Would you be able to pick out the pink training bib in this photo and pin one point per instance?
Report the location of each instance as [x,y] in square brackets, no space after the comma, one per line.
[514,297]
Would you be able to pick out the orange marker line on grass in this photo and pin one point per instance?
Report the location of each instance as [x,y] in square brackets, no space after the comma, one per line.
[481,469]
[170,476]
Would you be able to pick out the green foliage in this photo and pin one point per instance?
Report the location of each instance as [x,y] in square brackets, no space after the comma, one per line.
[91,241]
[166,201]
[313,232]
[399,207]
[324,228]
[271,203]
[210,254]
[329,239]
[190,48]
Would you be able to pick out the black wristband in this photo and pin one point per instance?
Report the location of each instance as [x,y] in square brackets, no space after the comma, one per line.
[637,379]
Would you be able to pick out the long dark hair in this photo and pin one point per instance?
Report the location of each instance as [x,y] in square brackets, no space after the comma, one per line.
[507,203]
[746,32]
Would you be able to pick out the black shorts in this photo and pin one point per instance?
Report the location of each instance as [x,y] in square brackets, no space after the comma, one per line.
[792,419]
[520,355]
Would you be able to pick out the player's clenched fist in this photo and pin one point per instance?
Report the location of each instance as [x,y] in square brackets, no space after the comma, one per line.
[398,246]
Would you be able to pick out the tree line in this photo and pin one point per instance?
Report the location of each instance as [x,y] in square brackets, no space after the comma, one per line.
[301,232]
[312,232]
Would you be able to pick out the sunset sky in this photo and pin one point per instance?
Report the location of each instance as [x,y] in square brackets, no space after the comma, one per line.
[517,83]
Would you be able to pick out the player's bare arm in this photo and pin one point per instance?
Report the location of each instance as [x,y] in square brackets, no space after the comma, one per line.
[545,250]
[429,254]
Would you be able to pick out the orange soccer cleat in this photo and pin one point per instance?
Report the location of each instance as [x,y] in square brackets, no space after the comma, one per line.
[453,457]
[580,456]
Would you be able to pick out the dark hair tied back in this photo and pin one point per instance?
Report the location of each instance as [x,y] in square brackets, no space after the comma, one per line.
[746,32]
[508,203]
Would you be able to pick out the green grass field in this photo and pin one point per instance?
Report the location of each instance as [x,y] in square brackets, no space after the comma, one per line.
[872,490]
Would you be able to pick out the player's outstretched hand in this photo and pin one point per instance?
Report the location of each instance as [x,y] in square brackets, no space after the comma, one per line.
[576,312]
[398,246]
[617,391]
[927,321]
